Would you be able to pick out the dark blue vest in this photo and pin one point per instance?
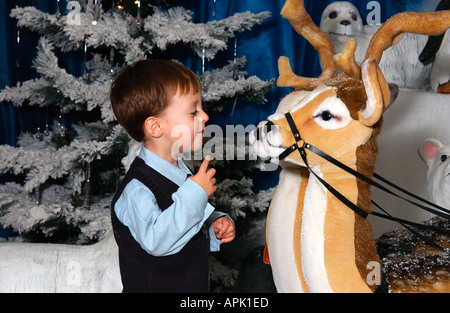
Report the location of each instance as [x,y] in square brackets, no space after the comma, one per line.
[185,271]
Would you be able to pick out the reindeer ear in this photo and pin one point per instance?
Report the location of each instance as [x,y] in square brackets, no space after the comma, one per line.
[393,88]
[377,90]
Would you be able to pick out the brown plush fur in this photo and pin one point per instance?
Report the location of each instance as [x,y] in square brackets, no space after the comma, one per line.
[298,226]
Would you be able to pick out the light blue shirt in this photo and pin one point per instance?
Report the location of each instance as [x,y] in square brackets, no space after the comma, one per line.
[163,233]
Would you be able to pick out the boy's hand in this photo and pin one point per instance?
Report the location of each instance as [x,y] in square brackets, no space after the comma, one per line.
[205,178]
[224,229]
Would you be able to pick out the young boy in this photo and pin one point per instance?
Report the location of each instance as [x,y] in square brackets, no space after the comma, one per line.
[162,222]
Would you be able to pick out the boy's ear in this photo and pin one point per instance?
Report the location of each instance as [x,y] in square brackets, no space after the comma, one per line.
[153,127]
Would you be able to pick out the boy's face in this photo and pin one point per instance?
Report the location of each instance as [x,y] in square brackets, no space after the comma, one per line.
[183,122]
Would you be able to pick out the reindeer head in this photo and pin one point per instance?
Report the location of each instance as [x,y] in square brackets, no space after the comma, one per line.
[336,113]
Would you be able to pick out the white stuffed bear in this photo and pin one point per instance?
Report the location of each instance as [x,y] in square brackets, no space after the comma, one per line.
[400,64]
[437,157]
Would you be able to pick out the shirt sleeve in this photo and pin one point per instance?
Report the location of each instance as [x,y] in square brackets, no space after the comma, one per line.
[163,233]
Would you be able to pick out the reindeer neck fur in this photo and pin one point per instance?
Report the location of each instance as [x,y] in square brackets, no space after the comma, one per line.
[352,93]
[334,239]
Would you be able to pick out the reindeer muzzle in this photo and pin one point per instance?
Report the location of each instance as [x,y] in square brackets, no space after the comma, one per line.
[266,128]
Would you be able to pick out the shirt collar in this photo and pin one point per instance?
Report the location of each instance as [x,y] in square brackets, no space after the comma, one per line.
[176,174]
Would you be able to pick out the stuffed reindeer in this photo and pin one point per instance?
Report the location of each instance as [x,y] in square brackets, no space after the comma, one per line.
[315,243]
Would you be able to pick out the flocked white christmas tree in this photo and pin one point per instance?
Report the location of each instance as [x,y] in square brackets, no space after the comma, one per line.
[71,172]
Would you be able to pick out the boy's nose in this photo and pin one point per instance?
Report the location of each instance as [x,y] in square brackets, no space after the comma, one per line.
[205,117]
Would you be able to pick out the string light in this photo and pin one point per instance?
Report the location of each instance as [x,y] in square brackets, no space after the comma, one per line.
[138,18]
[18,48]
[58,12]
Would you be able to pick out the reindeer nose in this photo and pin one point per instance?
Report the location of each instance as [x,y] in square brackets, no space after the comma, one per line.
[266,127]
[345,22]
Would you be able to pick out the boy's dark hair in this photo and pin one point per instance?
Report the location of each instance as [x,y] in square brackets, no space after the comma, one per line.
[145,89]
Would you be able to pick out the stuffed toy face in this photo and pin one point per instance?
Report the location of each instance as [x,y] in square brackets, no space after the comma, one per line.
[437,157]
[341,18]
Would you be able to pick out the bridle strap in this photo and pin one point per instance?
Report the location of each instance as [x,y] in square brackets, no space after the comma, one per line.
[297,138]
[351,205]
[381,187]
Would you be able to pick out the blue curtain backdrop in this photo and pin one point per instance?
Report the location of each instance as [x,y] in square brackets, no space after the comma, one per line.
[262,46]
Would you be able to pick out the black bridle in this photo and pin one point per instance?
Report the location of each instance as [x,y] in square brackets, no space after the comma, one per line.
[301,146]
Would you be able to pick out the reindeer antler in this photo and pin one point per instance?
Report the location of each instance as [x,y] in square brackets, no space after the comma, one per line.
[346,59]
[431,24]
[294,11]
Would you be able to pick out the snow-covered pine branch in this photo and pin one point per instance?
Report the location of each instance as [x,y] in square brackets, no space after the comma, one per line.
[230,82]
[93,94]
[57,87]
[21,211]
[72,93]
[176,25]
[31,92]
[237,199]
[112,30]
[118,31]
[41,161]
[44,24]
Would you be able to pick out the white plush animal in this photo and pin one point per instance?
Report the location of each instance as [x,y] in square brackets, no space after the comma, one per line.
[341,21]
[400,64]
[437,157]
[437,50]
[43,268]
[440,74]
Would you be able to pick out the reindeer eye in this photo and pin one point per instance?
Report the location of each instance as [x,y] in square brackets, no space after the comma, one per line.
[444,158]
[325,115]
[333,15]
